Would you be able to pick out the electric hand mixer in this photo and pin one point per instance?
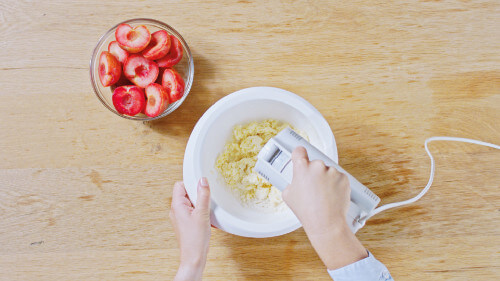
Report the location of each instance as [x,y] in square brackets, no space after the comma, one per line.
[274,163]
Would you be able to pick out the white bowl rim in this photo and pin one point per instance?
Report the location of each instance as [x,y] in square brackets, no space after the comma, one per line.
[220,218]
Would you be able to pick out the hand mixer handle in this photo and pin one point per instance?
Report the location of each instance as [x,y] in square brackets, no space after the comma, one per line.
[274,164]
[360,194]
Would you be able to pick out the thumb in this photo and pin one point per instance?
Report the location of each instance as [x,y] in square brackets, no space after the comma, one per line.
[203,200]
[300,159]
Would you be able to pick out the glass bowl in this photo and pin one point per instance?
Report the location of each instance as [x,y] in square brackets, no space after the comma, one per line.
[185,67]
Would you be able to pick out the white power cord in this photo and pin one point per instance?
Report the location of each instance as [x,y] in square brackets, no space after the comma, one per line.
[431,177]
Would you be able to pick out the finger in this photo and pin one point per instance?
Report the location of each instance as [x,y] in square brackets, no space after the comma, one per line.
[180,199]
[171,215]
[318,165]
[179,191]
[331,170]
[203,201]
[343,181]
[285,192]
[174,222]
[299,158]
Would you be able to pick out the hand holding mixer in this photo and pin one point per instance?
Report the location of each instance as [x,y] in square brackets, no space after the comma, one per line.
[274,163]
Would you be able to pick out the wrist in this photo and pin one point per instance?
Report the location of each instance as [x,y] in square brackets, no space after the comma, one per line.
[190,270]
[335,225]
[337,246]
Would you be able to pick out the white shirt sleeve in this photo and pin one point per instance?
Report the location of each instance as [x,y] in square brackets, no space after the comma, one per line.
[367,269]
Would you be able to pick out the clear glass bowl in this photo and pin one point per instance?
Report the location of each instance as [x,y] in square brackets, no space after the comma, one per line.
[185,67]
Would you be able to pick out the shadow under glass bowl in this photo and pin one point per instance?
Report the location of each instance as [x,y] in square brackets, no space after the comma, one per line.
[185,67]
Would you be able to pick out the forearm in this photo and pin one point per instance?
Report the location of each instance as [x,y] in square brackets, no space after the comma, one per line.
[192,228]
[191,269]
[337,246]
[189,272]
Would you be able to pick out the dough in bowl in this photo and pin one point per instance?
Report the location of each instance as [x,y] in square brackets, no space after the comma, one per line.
[236,165]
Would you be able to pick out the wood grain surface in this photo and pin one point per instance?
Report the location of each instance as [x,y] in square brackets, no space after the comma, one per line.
[84,194]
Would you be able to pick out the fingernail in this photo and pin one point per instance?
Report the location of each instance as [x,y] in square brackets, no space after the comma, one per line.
[204,181]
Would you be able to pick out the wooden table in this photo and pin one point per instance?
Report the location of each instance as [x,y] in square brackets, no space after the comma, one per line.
[84,194]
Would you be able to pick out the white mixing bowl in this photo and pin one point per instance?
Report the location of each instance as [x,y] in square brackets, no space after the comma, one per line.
[214,130]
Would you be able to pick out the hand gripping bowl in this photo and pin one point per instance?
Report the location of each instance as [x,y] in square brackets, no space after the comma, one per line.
[212,132]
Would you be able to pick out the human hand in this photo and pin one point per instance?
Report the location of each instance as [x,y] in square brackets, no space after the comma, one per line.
[192,229]
[319,197]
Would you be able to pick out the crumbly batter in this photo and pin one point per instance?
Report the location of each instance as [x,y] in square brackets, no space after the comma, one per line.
[238,159]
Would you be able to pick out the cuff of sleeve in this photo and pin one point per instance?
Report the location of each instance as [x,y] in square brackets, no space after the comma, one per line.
[367,269]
